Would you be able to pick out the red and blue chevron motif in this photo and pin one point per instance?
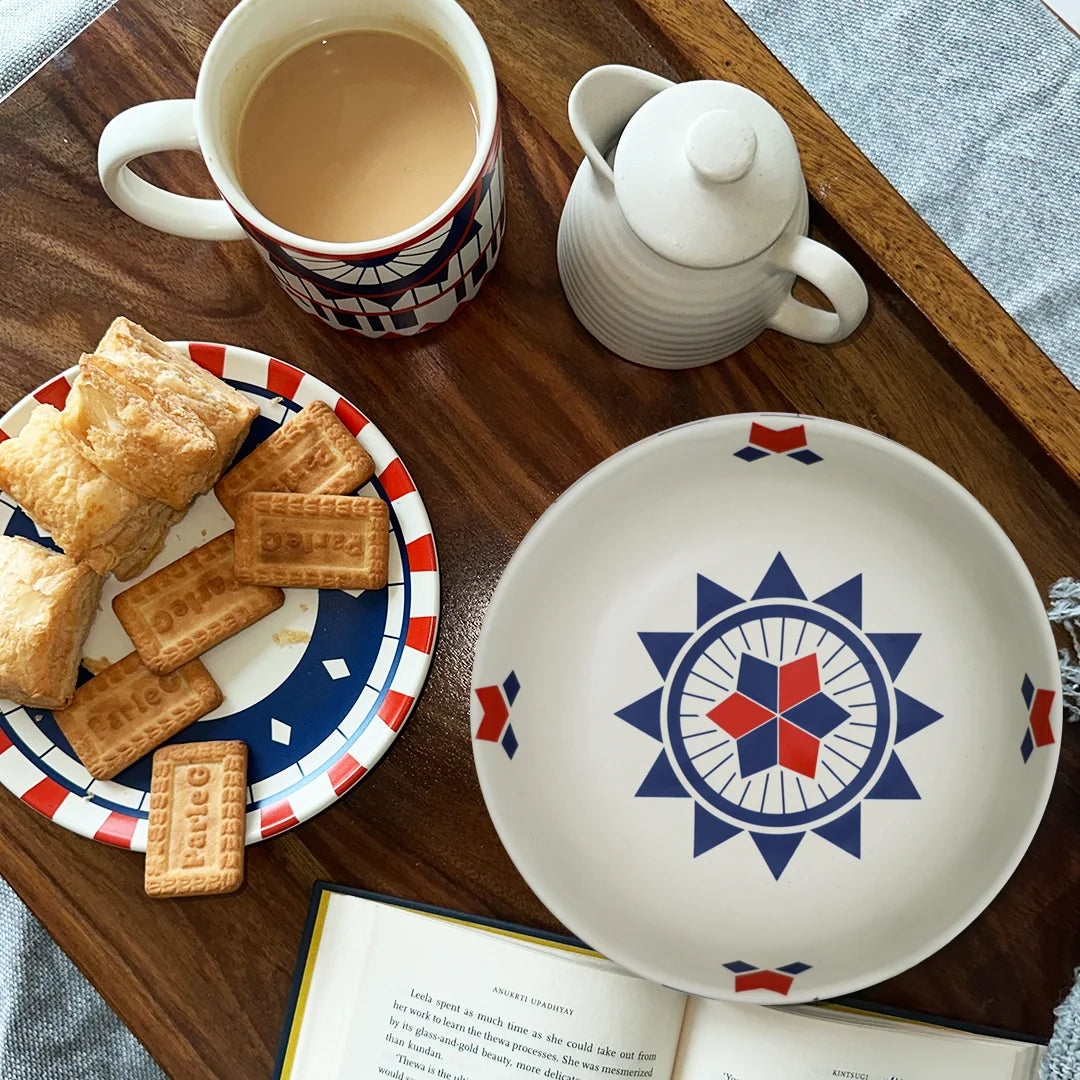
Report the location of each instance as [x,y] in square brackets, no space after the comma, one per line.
[496,702]
[1039,730]
[778,980]
[789,441]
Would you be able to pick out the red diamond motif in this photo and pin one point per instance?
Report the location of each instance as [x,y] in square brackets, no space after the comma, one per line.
[763,980]
[778,440]
[798,750]
[1040,717]
[798,681]
[495,713]
[738,715]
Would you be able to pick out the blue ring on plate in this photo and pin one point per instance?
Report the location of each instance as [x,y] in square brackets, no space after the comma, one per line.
[883,734]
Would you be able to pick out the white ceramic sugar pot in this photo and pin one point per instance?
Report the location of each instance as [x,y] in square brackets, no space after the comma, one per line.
[685,226]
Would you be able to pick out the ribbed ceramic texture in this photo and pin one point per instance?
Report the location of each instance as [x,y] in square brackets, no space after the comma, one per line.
[652,311]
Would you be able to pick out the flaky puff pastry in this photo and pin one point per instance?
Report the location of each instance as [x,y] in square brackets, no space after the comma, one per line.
[150,442]
[172,375]
[92,517]
[47,603]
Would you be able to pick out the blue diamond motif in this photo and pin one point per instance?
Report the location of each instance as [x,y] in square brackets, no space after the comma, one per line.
[511,686]
[818,715]
[739,966]
[795,969]
[1027,745]
[751,453]
[807,457]
[759,749]
[758,680]
[509,742]
[1027,688]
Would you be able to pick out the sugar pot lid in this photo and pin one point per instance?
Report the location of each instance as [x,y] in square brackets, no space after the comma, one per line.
[707,173]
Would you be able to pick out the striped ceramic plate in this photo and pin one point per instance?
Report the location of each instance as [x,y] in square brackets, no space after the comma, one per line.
[318,690]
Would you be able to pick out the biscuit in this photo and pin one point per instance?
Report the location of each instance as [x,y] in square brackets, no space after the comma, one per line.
[47,603]
[190,606]
[195,839]
[312,452]
[126,710]
[92,517]
[172,375]
[148,441]
[312,541]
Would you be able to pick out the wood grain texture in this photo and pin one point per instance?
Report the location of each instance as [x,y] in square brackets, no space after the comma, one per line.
[495,414]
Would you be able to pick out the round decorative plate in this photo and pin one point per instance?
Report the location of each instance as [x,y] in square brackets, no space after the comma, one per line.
[766,708]
[318,689]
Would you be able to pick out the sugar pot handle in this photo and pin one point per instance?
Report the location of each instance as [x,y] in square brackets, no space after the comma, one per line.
[834,276]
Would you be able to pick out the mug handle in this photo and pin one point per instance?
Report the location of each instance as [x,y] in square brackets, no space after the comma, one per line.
[834,276]
[146,129]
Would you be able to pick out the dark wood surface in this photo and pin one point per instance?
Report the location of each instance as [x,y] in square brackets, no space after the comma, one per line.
[495,414]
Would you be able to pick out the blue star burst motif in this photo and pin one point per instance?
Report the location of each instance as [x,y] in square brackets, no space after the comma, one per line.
[778,716]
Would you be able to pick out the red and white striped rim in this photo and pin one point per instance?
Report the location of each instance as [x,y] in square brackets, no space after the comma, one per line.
[34,768]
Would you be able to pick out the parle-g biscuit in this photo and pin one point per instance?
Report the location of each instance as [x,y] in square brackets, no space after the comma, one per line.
[312,452]
[195,839]
[190,606]
[312,541]
[126,710]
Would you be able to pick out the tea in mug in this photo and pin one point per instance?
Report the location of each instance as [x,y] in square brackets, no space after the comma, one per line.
[356,136]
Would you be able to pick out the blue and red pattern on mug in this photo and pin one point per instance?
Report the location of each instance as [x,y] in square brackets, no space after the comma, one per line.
[396,285]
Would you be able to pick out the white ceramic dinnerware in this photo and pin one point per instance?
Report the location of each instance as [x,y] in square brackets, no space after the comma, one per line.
[319,689]
[766,708]
[394,286]
[685,226]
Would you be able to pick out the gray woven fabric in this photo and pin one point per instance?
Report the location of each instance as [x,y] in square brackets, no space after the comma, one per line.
[970,110]
[53,1024]
[33,30]
[1062,1061]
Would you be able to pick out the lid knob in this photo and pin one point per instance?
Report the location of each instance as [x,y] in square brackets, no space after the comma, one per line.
[721,145]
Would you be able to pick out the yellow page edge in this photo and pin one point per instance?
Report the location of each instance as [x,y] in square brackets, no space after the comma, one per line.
[316,937]
[305,985]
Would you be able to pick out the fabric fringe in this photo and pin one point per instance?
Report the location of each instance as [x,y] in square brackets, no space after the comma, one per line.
[1062,1060]
[1065,612]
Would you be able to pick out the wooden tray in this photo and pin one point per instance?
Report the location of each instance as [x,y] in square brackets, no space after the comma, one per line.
[497,413]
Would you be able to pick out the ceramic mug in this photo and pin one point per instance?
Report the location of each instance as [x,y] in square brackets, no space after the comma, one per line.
[398,285]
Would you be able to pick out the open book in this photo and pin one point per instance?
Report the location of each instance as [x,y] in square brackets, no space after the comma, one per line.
[385,991]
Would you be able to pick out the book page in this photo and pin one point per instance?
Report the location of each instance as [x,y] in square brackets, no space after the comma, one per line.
[727,1041]
[399,995]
